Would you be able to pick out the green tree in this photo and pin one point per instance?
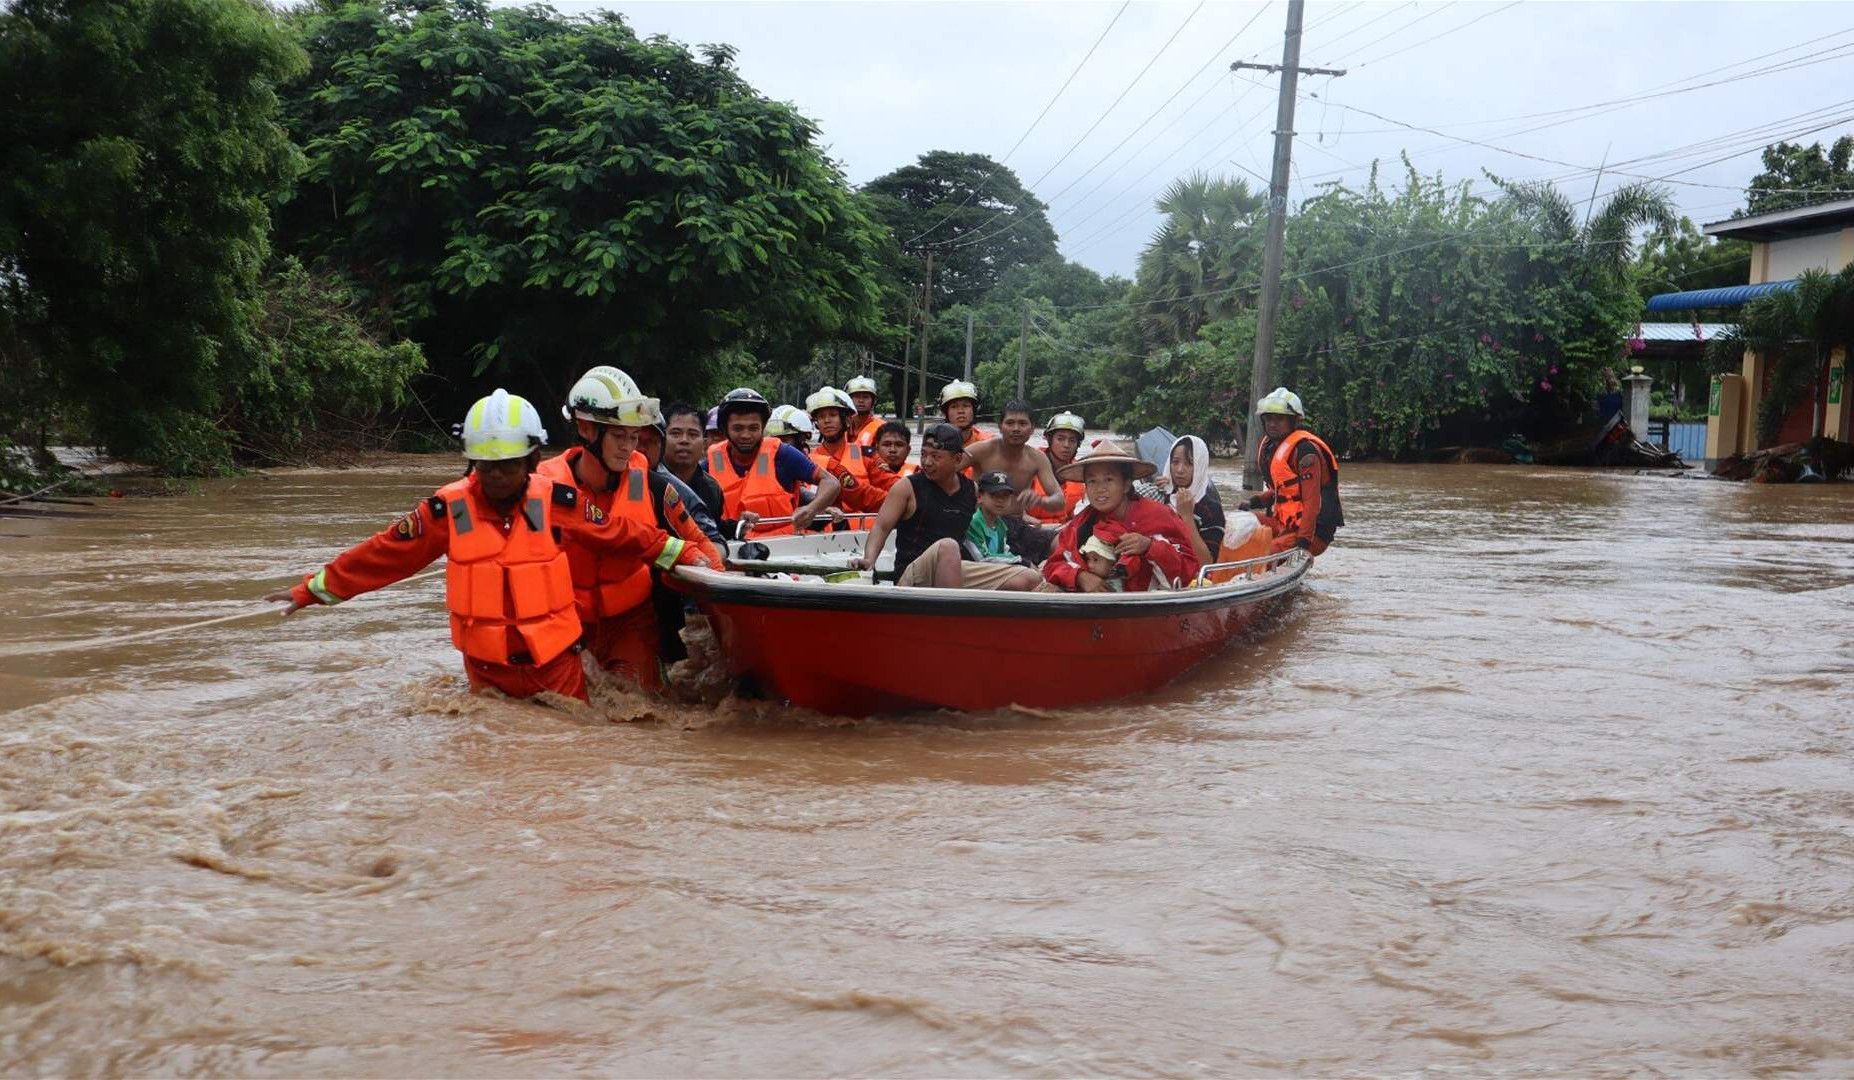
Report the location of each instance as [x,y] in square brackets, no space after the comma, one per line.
[1797,329]
[139,150]
[972,212]
[533,193]
[1796,175]
[1207,247]
[1683,258]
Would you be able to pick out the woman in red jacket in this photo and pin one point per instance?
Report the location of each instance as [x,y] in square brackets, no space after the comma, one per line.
[1153,548]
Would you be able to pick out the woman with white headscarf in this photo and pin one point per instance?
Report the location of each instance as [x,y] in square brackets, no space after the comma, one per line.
[1185,486]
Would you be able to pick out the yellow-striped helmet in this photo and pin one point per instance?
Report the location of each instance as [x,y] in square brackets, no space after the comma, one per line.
[958,388]
[1281,402]
[1066,421]
[502,426]
[606,395]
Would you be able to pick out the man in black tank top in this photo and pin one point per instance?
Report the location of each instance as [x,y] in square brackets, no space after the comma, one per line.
[929,514]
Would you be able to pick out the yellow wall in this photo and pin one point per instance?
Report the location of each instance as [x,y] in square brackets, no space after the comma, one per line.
[1835,422]
[1722,413]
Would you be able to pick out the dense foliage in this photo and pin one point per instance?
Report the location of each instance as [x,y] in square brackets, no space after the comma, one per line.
[138,150]
[972,212]
[1796,175]
[530,194]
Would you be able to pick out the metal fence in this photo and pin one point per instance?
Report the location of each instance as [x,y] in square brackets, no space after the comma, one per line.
[1685,437]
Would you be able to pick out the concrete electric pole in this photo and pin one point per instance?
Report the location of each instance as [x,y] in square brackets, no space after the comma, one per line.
[1263,372]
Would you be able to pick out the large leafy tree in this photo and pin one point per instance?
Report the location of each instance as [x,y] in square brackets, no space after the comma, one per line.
[139,150]
[1796,175]
[530,193]
[973,213]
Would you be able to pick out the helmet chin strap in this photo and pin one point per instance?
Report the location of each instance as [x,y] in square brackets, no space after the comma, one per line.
[595,460]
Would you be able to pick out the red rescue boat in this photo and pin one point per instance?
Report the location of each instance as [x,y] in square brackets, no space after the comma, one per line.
[964,649]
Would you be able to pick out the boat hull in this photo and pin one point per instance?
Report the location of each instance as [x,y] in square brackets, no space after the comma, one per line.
[958,649]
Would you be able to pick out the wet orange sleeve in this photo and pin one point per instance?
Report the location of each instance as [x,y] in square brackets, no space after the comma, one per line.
[615,535]
[393,554]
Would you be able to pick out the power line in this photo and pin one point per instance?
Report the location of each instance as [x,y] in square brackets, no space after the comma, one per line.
[1437,37]
[979,230]
[1039,119]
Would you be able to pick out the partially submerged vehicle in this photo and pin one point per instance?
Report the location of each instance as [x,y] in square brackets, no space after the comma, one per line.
[920,648]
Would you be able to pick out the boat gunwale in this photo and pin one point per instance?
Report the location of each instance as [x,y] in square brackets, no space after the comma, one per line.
[748,591]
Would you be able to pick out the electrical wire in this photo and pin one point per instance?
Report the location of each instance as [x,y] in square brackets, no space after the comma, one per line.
[973,194]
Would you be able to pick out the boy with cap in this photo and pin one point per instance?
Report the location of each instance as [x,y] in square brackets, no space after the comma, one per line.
[988,537]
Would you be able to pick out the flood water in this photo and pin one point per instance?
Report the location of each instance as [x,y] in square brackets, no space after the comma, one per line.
[1545,772]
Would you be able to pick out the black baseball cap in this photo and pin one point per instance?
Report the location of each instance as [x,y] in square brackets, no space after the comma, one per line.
[996,481]
[943,437]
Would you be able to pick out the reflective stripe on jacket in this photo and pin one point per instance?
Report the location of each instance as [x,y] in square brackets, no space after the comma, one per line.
[495,583]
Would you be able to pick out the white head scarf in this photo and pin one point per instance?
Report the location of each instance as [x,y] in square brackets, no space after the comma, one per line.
[1200,468]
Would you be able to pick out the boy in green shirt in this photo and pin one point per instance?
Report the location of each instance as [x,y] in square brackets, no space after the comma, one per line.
[986,535]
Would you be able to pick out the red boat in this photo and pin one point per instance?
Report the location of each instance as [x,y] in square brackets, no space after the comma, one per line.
[964,649]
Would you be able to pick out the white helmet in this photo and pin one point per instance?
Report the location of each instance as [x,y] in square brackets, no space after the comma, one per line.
[958,388]
[606,395]
[1280,402]
[789,420]
[1066,421]
[830,398]
[862,384]
[501,427]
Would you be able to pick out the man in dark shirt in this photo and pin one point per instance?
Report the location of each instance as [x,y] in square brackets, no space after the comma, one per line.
[929,513]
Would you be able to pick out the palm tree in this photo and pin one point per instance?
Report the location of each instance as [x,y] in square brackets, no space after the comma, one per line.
[1605,241]
[1797,329]
[1207,244]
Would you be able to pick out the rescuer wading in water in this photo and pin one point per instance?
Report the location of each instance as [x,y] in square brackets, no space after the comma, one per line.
[507,580]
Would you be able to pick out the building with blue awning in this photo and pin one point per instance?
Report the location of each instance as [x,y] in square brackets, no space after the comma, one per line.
[1784,243]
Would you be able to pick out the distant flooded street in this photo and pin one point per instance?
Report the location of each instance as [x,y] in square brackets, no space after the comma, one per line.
[1547,772]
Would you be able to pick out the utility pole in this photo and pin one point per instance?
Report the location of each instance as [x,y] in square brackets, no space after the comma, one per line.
[968,345]
[920,423]
[1023,350]
[1263,371]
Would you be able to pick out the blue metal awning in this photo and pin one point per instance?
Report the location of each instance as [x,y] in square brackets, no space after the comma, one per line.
[1716,298]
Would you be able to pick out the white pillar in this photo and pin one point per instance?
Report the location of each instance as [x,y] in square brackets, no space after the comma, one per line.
[1635,402]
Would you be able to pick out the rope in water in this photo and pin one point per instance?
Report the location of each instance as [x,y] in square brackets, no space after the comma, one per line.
[159,631]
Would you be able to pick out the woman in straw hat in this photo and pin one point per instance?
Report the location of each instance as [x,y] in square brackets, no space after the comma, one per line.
[1151,542]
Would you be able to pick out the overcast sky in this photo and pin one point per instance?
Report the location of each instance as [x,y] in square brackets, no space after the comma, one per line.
[889,81]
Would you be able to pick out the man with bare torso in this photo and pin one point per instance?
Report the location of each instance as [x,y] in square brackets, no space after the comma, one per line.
[1030,472]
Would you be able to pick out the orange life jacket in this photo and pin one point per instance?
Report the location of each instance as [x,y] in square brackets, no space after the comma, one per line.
[974,435]
[1073,491]
[602,585]
[865,435]
[1285,481]
[495,583]
[758,490]
[851,457]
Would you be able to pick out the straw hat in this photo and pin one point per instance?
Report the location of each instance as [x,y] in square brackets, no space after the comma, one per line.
[1105,452]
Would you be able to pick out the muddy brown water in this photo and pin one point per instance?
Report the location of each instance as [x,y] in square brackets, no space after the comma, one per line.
[1545,772]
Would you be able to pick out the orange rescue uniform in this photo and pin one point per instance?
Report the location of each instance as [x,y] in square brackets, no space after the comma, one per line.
[613,595]
[866,434]
[1305,490]
[757,489]
[508,583]
[882,478]
[1073,491]
[848,462]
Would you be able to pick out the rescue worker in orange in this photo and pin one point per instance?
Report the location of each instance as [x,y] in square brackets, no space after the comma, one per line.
[502,529]
[760,476]
[1301,499]
[839,454]
[615,596]
[959,407]
[865,424]
[890,462]
[1062,437]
